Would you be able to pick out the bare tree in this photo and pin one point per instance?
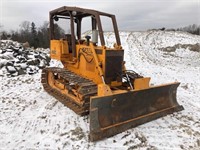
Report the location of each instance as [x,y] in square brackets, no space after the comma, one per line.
[43,35]
[194,29]
[25,26]
[0,31]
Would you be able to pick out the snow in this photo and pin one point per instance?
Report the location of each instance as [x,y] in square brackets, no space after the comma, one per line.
[8,55]
[11,69]
[2,62]
[32,119]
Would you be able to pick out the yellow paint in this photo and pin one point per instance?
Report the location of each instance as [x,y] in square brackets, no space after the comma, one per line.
[141,83]
[104,90]
[57,84]
[59,49]
[93,67]
[90,63]
[115,83]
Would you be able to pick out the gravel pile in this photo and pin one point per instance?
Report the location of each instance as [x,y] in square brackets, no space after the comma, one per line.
[15,59]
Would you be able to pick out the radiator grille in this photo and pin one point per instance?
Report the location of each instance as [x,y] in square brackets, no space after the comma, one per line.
[113,68]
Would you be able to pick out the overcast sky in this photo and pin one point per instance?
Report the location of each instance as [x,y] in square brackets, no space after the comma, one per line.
[131,14]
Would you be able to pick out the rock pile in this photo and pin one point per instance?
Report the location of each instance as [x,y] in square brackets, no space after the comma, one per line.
[16,59]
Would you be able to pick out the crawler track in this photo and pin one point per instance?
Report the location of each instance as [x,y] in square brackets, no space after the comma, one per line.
[86,88]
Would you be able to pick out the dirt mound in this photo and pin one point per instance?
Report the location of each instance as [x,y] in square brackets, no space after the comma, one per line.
[191,47]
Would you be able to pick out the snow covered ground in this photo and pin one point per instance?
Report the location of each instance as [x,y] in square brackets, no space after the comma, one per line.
[31,119]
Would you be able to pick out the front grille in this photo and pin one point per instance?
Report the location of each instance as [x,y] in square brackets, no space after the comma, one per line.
[113,66]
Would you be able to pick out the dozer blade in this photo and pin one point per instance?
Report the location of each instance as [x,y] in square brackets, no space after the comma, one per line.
[110,115]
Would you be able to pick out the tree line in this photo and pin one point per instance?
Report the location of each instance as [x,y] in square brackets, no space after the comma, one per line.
[35,36]
[39,36]
[193,29]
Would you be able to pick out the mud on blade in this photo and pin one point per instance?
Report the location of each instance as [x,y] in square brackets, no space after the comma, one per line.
[113,114]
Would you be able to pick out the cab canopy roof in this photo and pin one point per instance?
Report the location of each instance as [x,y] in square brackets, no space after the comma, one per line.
[82,12]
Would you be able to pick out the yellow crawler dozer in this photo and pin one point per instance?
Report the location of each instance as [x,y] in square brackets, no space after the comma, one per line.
[95,81]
